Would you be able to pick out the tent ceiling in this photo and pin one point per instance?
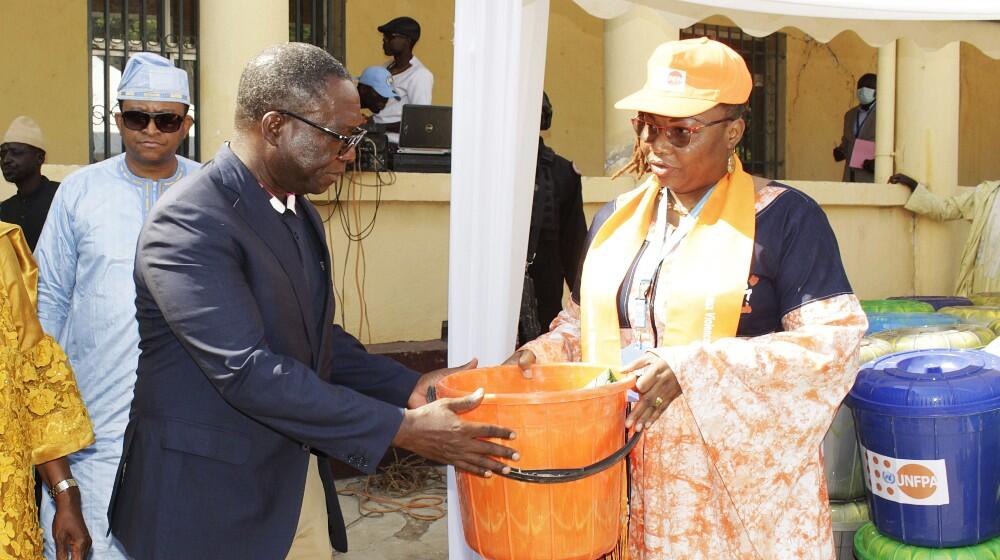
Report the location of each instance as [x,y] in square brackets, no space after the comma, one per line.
[929,23]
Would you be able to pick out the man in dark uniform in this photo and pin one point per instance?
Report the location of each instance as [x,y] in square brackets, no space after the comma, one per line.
[555,241]
[22,154]
[859,124]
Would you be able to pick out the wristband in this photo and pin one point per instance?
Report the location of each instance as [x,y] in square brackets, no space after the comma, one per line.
[62,487]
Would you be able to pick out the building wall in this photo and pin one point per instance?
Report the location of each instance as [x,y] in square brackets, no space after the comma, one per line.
[45,71]
[979,110]
[406,270]
[574,69]
[820,87]
[403,273]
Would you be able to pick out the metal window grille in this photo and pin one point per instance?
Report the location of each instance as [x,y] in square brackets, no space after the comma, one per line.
[762,147]
[320,23]
[119,28]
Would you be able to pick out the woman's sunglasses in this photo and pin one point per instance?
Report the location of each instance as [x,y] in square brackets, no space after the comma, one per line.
[677,134]
[139,120]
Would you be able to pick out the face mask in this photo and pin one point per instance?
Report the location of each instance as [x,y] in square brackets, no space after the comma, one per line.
[866,95]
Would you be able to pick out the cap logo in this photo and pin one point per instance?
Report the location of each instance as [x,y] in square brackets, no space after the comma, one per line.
[669,79]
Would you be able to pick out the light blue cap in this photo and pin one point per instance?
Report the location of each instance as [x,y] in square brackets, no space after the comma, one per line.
[379,79]
[150,77]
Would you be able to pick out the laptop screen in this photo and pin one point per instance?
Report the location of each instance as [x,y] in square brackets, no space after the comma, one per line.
[425,126]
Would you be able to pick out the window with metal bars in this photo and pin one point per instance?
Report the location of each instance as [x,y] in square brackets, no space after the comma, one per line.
[119,28]
[320,23]
[762,149]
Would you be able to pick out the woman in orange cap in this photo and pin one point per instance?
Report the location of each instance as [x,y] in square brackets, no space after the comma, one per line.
[726,293]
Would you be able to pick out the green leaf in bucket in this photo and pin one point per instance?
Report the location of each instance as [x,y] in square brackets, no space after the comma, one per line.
[606,377]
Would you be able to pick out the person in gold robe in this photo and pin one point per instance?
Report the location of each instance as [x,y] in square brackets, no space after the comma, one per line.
[42,418]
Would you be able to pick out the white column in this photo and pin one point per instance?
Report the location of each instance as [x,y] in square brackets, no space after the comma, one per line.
[885,117]
[231,33]
[927,117]
[496,109]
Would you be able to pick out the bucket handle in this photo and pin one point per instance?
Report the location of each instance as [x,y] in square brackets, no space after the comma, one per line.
[556,476]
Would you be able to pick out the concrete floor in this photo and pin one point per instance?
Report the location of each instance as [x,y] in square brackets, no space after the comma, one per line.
[392,536]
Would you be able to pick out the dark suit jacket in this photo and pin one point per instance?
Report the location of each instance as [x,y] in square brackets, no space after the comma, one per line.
[235,387]
[557,217]
[867,132]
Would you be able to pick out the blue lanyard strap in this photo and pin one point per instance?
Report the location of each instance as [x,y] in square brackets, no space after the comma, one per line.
[701,203]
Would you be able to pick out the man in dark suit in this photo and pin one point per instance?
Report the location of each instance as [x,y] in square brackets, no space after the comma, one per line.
[243,380]
[859,124]
[556,235]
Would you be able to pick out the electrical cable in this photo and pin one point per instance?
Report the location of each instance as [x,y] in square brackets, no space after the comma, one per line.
[408,486]
[345,201]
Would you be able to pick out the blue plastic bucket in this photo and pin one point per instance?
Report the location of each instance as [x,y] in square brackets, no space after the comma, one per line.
[878,322]
[929,426]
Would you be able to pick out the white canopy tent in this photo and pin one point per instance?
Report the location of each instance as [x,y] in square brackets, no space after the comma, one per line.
[930,23]
[497,96]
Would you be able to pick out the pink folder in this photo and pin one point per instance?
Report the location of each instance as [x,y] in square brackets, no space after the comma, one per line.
[863,149]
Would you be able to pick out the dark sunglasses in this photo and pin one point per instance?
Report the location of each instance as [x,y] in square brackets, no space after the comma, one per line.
[348,141]
[677,134]
[139,120]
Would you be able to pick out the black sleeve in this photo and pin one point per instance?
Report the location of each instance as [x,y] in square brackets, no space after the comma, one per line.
[602,216]
[572,223]
[810,268]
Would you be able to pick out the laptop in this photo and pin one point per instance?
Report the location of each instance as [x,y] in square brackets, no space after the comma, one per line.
[425,129]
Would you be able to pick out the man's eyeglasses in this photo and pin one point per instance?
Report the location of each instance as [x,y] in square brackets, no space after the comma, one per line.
[348,141]
[677,134]
[139,120]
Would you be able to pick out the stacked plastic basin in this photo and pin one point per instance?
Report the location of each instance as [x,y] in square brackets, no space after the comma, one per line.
[982,314]
[943,337]
[895,306]
[928,422]
[898,313]
[843,465]
[878,322]
[989,298]
[937,302]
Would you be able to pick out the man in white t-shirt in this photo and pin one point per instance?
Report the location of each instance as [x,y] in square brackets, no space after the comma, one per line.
[412,80]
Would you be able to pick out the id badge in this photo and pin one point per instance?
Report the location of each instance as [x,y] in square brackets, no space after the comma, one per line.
[638,311]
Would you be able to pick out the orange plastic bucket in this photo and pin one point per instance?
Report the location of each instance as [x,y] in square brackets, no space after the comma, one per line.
[559,425]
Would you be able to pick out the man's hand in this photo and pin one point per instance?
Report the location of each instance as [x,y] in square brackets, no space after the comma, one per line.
[436,432]
[868,165]
[418,397]
[658,386]
[522,359]
[838,154]
[68,528]
[901,179]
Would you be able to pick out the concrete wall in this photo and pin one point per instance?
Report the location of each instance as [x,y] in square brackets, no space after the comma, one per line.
[574,70]
[45,69]
[820,87]
[407,256]
[403,273]
[628,42]
[979,123]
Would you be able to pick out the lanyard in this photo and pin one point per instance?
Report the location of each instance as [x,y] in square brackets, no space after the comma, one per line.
[683,228]
[645,272]
[860,122]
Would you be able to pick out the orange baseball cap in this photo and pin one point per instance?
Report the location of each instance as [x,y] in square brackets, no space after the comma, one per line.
[685,78]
